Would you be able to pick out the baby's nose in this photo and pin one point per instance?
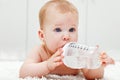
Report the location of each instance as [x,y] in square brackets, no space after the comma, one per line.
[66,37]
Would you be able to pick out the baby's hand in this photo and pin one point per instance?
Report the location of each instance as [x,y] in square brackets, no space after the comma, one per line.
[55,60]
[106,59]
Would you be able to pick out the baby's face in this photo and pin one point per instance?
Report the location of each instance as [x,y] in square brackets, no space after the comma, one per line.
[59,29]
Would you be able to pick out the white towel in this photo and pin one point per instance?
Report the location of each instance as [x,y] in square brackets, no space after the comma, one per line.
[112,72]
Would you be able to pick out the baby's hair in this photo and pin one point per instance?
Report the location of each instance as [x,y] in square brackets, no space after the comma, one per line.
[62,5]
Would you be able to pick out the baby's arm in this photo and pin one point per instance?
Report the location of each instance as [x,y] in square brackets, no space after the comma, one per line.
[98,73]
[35,67]
[91,74]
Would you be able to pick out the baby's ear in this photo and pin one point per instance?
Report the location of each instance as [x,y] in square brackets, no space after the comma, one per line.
[41,34]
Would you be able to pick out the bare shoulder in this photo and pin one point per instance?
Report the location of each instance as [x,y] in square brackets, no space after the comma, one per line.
[34,55]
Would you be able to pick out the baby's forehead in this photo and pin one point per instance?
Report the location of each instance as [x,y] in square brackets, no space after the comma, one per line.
[53,7]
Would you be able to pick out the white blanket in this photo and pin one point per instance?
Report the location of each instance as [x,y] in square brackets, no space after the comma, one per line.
[112,72]
[57,77]
[10,71]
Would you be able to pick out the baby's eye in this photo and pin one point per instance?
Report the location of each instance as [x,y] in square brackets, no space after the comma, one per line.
[57,30]
[71,29]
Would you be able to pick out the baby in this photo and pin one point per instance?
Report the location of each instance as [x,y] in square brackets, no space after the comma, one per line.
[58,26]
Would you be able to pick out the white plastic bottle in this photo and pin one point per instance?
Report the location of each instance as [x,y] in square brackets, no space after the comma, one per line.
[79,56]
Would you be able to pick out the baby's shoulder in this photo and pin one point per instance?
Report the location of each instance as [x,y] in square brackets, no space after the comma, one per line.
[38,49]
[37,54]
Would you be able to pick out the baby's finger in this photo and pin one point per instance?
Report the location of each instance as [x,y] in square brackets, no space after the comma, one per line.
[103,55]
[59,58]
[58,52]
[58,63]
[104,62]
